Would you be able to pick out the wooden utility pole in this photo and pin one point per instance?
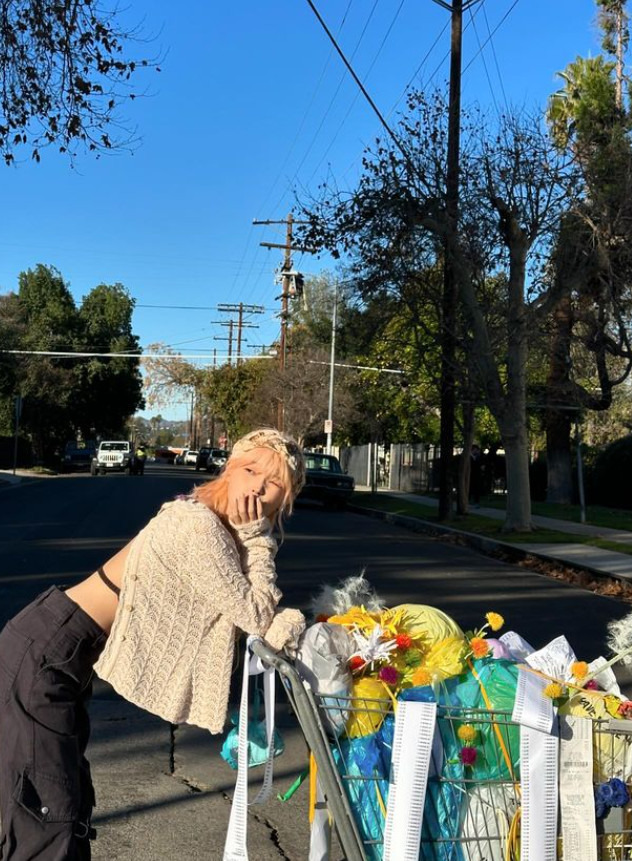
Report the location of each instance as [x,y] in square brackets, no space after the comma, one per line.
[286,280]
[230,325]
[242,324]
[450,286]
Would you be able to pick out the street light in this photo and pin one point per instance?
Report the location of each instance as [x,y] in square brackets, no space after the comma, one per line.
[329,424]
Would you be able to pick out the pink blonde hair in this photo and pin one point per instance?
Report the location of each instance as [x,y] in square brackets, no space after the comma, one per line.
[214,493]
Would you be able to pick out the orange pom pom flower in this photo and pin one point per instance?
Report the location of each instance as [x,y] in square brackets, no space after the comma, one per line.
[404,641]
[479,646]
[579,670]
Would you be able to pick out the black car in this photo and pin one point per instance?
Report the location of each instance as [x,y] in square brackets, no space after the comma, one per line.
[326,481]
[211,459]
[77,456]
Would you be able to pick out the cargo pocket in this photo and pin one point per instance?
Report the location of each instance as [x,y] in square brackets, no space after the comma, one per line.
[47,799]
[13,649]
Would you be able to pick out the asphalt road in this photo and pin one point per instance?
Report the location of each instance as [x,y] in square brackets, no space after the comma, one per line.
[57,530]
[163,793]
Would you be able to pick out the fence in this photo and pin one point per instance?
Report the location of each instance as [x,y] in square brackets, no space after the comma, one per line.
[401,466]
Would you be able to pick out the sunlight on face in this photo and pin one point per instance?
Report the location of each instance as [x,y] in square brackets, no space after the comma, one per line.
[257,474]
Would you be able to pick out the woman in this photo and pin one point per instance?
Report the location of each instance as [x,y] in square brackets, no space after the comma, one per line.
[158,622]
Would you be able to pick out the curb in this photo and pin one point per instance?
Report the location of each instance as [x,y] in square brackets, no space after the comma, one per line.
[487,546]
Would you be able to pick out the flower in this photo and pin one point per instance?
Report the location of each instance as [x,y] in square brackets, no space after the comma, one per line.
[467,733]
[620,794]
[412,657]
[625,709]
[404,641]
[468,755]
[479,646]
[355,663]
[554,691]
[372,647]
[591,685]
[612,704]
[495,621]
[421,677]
[322,617]
[388,675]
[612,793]
[579,669]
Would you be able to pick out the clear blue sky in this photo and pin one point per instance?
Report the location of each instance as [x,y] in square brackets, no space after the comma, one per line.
[251,102]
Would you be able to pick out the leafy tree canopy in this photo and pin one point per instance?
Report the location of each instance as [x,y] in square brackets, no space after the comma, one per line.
[65,69]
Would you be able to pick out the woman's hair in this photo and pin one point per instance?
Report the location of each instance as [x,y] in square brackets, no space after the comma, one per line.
[214,493]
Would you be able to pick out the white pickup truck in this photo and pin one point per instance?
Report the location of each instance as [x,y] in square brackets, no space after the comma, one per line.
[111,456]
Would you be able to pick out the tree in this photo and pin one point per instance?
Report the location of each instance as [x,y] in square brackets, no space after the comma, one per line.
[109,389]
[65,72]
[394,225]
[592,263]
[66,396]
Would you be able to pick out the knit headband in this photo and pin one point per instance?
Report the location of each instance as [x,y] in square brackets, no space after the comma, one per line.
[283,445]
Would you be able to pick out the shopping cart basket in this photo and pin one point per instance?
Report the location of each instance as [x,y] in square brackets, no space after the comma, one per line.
[467,816]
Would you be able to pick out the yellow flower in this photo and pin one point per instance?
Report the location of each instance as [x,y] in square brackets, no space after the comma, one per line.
[579,669]
[612,705]
[554,691]
[466,733]
[358,617]
[495,620]
[479,646]
[421,676]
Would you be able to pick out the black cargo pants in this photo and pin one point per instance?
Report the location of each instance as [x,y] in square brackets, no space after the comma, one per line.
[46,796]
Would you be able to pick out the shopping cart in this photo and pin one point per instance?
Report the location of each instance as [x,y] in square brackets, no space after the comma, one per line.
[467,816]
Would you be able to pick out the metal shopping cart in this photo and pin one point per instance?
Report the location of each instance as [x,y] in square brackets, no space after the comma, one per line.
[468,816]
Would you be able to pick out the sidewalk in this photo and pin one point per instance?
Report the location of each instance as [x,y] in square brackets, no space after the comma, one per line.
[607,562]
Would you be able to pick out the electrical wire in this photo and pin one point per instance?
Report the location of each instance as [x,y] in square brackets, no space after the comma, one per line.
[493,33]
[500,77]
[487,75]
[355,98]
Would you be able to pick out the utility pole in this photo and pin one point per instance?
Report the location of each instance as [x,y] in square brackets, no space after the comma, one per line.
[240,310]
[329,428]
[286,291]
[450,286]
[230,325]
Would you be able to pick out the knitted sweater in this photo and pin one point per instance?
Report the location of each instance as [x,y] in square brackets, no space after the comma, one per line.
[187,585]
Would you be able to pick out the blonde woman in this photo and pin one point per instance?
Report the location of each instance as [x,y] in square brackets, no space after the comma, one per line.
[158,622]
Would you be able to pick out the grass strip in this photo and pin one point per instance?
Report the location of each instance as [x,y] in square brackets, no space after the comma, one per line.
[485,525]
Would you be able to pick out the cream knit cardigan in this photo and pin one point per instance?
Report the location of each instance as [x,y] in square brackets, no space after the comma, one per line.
[187,586]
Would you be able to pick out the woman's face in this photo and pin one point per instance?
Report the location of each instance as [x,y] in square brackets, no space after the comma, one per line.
[256,475]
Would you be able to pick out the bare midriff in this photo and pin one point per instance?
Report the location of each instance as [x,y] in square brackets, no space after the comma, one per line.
[95,598]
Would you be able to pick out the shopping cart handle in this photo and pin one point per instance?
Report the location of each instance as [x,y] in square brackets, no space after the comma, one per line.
[272,658]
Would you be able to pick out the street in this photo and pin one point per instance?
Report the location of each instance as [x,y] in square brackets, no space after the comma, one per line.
[60,529]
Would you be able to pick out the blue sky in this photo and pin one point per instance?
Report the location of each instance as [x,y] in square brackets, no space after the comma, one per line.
[250,102]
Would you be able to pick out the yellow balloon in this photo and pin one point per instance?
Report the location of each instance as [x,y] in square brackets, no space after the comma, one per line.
[428,622]
[369,706]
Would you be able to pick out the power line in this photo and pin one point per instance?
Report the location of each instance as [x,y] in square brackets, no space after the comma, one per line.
[494,31]
[66,355]
[355,98]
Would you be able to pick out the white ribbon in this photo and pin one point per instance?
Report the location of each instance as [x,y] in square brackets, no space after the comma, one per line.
[320,834]
[235,848]
[410,765]
[539,783]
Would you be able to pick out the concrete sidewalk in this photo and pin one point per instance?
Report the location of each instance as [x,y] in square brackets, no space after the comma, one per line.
[608,562]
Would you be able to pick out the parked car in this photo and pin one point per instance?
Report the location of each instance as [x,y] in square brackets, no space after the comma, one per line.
[190,457]
[77,456]
[326,481]
[111,456]
[179,458]
[211,459]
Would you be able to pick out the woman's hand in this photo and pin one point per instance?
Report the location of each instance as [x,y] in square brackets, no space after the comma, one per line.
[243,509]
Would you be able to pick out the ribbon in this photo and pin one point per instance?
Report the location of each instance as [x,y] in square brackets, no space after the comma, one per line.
[235,848]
